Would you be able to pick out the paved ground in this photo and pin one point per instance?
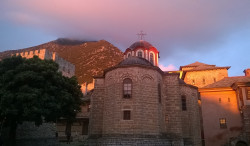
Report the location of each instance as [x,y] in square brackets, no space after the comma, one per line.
[75,143]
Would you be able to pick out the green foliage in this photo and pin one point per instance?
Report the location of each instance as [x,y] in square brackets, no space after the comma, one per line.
[34,90]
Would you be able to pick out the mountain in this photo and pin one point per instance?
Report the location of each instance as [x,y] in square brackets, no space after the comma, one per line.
[89,57]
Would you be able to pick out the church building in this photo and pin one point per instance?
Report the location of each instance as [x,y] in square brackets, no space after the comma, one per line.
[136,103]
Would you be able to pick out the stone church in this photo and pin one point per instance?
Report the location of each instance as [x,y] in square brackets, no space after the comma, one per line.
[136,103]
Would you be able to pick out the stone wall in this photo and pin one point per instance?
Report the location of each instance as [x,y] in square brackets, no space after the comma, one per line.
[205,77]
[131,141]
[28,134]
[156,114]
[191,118]
[67,68]
[172,106]
[246,122]
[41,53]
[30,130]
[96,111]
[143,104]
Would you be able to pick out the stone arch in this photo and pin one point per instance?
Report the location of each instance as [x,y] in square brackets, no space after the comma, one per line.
[127,75]
[241,143]
[147,79]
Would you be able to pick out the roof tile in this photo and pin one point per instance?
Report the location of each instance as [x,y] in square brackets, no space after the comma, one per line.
[228,82]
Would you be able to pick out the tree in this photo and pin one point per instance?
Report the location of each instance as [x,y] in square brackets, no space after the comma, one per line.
[34,90]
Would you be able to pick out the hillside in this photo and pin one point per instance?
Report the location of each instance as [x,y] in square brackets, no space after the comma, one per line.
[89,57]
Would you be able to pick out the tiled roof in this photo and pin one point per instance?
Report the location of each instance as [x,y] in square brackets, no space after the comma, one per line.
[228,82]
[135,60]
[197,66]
[141,43]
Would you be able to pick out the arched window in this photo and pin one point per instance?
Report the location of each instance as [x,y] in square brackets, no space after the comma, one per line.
[159,93]
[151,58]
[129,54]
[184,103]
[127,88]
[139,53]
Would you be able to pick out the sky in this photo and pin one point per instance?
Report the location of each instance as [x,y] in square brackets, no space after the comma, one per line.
[184,31]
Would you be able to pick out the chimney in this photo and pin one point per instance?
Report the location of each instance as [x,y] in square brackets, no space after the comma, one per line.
[247,72]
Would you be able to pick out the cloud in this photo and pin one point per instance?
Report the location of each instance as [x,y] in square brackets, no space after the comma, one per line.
[177,23]
[172,26]
[170,67]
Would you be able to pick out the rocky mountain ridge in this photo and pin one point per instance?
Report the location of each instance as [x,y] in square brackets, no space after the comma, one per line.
[89,57]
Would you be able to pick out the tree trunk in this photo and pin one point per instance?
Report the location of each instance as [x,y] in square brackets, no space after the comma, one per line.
[68,131]
[12,134]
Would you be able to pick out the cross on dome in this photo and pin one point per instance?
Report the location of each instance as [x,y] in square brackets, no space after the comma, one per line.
[141,35]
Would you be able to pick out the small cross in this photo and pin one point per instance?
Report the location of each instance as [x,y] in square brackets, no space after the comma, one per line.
[141,35]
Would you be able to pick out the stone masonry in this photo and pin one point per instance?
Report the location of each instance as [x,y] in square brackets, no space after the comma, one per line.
[157,116]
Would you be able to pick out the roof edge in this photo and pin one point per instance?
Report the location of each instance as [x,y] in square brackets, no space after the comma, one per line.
[218,89]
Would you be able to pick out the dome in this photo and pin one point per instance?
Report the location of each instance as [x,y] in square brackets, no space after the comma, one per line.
[141,43]
[135,60]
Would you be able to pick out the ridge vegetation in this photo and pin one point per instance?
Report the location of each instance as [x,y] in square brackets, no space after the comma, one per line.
[89,57]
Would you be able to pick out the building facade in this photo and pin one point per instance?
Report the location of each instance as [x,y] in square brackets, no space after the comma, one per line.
[225,103]
[136,103]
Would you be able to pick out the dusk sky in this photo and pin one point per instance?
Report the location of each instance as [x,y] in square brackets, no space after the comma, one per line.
[184,31]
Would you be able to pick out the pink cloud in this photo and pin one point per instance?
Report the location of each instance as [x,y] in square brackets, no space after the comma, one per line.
[170,67]
[187,24]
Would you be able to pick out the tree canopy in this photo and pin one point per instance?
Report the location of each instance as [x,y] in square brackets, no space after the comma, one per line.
[34,90]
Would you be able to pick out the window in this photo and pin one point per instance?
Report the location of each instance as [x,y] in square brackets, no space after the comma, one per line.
[129,54]
[248,93]
[151,58]
[184,103]
[219,100]
[193,82]
[126,115]
[214,80]
[159,92]
[127,88]
[228,99]
[204,81]
[223,123]
[139,54]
